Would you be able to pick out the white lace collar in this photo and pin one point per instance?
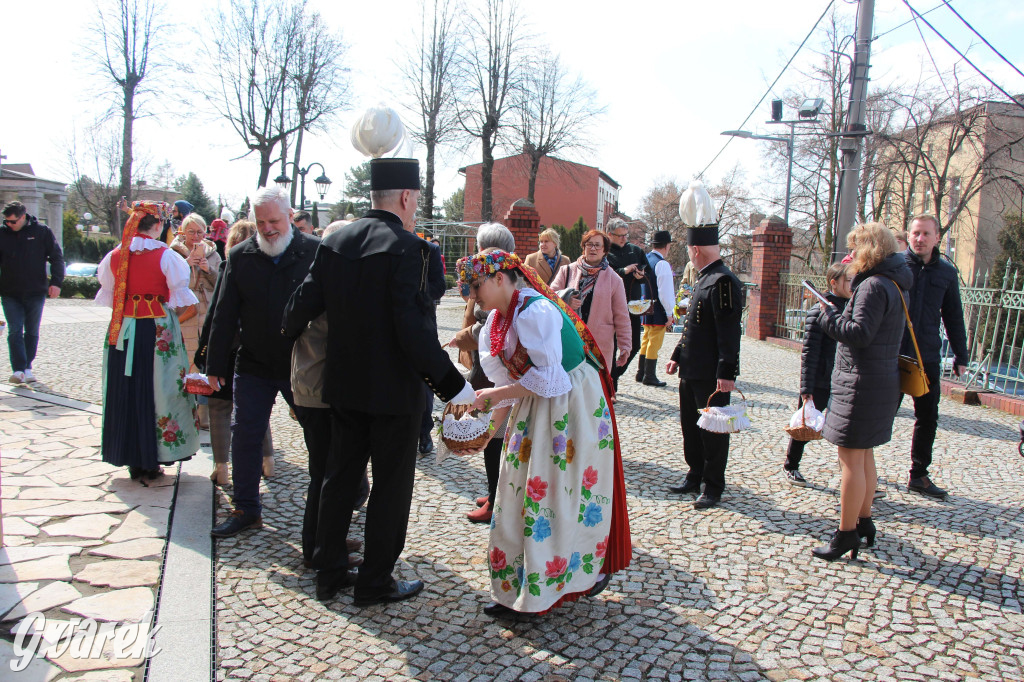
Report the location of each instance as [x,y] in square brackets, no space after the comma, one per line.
[145,244]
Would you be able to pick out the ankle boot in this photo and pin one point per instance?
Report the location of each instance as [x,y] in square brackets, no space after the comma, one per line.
[842,541]
[640,367]
[866,530]
[651,373]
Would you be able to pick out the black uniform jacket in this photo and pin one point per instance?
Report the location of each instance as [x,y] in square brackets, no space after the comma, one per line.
[371,278]
[251,295]
[710,345]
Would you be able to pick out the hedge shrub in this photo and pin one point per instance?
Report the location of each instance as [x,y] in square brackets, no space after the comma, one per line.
[86,286]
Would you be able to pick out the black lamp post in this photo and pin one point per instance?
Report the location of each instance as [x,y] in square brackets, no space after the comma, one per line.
[322,182]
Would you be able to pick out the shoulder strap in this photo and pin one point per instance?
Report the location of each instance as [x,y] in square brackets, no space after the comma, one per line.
[910,325]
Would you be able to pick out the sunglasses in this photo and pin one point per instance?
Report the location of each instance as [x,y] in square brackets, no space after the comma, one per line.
[11,221]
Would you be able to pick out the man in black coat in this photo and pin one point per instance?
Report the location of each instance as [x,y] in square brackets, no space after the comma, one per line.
[630,263]
[934,298]
[371,278]
[26,246]
[707,358]
[436,286]
[260,276]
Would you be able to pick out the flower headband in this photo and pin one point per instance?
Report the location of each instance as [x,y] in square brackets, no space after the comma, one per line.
[485,264]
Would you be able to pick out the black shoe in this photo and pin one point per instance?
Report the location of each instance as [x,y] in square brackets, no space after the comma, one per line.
[403,589]
[329,583]
[689,486]
[707,501]
[925,486]
[651,373]
[866,530]
[136,472]
[426,444]
[842,541]
[496,610]
[236,522]
[600,585]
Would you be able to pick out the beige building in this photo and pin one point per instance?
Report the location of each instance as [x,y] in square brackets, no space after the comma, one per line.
[43,198]
[966,169]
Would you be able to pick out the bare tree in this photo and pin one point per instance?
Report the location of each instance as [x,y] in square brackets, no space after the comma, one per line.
[95,168]
[493,71]
[252,55]
[319,84]
[555,113]
[120,51]
[431,75]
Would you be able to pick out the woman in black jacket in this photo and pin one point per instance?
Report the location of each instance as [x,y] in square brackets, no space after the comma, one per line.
[865,380]
[816,362]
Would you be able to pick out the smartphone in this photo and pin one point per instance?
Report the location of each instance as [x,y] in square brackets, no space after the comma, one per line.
[817,294]
[464,290]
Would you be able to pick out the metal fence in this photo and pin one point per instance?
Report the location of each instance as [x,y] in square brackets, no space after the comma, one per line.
[795,302]
[993,316]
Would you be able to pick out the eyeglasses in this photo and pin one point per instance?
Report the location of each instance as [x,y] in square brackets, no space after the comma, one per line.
[618,234]
[592,245]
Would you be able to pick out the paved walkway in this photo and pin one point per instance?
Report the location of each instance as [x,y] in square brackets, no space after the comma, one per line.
[730,593]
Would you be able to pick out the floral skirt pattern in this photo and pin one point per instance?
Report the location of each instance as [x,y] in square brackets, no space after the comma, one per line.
[148,418]
[552,511]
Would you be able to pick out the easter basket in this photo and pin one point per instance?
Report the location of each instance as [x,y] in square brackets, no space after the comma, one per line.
[464,429]
[726,418]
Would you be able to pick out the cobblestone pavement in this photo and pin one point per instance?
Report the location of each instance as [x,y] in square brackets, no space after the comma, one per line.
[730,593]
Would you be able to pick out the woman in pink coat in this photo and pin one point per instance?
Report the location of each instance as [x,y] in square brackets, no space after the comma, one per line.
[600,298]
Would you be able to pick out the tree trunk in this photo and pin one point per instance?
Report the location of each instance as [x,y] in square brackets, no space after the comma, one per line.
[534,169]
[295,170]
[486,169]
[128,113]
[265,164]
[428,186]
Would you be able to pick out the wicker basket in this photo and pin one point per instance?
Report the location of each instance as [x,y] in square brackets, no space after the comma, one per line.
[455,438]
[803,432]
[197,384]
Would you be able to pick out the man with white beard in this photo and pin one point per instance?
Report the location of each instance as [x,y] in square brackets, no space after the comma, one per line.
[259,278]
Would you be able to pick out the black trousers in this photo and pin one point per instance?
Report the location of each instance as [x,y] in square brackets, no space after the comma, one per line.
[427,418]
[388,443]
[492,462]
[926,423]
[795,451]
[706,453]
[634,329]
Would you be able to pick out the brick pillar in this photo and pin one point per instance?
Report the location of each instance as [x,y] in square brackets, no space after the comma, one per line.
[773,244]
[523,221]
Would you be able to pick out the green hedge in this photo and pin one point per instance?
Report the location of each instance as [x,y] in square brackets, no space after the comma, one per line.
[86,286]
[449,281]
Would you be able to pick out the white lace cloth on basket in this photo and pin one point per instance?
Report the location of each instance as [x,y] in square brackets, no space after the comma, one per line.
[462,430]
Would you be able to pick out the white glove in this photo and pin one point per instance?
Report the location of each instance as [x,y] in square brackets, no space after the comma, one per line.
[467,396]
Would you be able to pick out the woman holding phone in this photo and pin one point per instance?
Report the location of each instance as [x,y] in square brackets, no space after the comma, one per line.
[204,264]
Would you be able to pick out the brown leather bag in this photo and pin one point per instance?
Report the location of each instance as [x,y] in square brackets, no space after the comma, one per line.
[913,380]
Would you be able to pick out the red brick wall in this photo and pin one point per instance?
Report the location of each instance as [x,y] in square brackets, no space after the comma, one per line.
[773,244]
[565,190]
[524,223]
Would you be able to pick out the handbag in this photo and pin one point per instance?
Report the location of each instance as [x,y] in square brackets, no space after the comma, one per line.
[913,380]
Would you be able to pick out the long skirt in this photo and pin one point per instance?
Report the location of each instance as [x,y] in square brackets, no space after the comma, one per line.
[148,418]
[553,512]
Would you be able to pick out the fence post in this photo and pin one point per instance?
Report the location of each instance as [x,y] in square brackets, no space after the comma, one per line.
[772,244]
[523,221]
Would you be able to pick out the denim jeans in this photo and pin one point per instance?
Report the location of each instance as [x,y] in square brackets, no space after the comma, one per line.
[254,400]
[23,314]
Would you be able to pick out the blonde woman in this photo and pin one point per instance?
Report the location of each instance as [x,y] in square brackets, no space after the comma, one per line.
[204,263]
[548,260]
[865,379]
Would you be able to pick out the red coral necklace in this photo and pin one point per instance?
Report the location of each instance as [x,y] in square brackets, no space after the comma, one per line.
[499,330]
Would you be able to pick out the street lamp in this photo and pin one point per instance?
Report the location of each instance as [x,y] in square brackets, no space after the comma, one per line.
[322,182]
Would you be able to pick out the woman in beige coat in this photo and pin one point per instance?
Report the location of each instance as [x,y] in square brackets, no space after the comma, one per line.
[548,261]
[204,263]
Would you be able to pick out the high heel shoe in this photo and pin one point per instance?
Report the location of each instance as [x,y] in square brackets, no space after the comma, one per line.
[842,541]
[866,530]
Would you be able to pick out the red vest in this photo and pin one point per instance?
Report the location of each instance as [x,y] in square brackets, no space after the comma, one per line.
[146,289]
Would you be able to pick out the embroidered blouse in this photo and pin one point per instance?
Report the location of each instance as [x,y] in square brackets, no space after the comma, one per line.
[173,266]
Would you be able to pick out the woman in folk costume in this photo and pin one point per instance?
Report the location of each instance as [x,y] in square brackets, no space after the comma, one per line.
[559,527]
[148,418]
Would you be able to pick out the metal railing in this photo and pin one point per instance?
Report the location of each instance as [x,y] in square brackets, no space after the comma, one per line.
[794,302]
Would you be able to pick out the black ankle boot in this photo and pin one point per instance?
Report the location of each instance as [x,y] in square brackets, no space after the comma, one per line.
[651,373]
[842,541]
[866,530]
[641,362]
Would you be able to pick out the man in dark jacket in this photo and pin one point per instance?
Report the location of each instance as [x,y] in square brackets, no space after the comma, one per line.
[630,263]
[436,286]
[371,278]
[261,274]
[707,355]
[934,298]
[26,246]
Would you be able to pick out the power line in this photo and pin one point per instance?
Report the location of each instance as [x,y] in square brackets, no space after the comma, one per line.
[908,21]
[770,87]
[964,57]
[975,32]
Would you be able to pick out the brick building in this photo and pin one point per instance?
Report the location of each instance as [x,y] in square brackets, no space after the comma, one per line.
[564,191]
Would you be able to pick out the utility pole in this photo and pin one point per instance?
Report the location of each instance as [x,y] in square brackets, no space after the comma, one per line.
[851,145]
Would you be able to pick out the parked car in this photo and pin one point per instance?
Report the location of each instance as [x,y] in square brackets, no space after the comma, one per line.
[1002,378]
[82,270]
